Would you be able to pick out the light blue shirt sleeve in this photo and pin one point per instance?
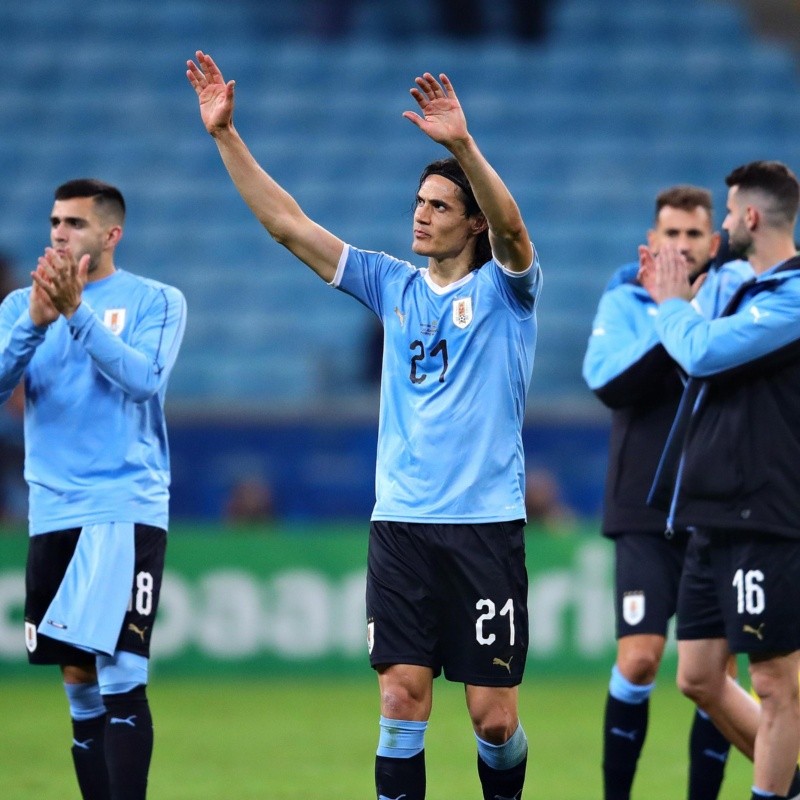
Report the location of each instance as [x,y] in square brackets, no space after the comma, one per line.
[19,338]
[763,324]
[619,337]
[140,368]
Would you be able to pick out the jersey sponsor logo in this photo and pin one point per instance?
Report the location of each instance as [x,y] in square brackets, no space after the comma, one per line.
[30,636]
[140,632]
[462,312]
[114,320]
[498,662]
[633,607]
[757,632]
[370,636]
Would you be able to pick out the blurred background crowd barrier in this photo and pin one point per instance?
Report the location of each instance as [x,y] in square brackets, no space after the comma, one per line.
[293,606]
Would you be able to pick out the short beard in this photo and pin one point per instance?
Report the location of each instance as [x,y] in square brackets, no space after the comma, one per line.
[739,249]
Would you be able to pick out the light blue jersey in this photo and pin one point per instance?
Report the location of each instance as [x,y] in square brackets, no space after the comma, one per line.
[95,436]
[757,328]
[456,368]
[624,328]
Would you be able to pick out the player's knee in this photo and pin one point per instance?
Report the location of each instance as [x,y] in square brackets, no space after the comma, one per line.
[399,701]
[73,673]
[495,725]
[639,666]
[773,687]
[494,731]
[121,672]
[700,687]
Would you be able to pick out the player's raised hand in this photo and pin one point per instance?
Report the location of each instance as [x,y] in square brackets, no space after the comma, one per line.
[672,276]
[442,116]
[215,96]
[61,278]
[41,307]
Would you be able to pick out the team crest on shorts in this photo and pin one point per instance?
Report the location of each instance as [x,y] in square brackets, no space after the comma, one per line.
[30,636]
[370,636]
[633,607]
[114,320]
[462,312]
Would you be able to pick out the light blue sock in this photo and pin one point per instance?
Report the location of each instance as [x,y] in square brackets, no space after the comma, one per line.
[85,701]
[507,755]
[400,738]
[620,688]
[761,792]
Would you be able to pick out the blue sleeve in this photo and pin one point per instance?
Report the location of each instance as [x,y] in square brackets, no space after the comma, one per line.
[520,289]
[625,274]
[141,367]
[763,325]
[362,274]
[19,338]
[623,343]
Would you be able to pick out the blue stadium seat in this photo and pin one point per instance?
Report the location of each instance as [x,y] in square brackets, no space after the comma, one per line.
[586,127]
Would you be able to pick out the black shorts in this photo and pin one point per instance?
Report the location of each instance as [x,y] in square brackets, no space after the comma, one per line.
[744,587]
[449,597]
[49,555]
[647,576]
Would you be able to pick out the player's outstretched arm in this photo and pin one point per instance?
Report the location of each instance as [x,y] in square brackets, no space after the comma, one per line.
[443,120]
[273,206]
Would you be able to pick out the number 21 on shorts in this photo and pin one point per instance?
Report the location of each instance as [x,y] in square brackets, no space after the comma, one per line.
[489,612]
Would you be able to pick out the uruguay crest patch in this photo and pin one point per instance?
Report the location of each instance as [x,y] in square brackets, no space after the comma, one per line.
[114,320]
[633,607]
[462,311]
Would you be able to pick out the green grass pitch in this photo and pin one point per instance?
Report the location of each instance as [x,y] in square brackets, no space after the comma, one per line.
[311,739]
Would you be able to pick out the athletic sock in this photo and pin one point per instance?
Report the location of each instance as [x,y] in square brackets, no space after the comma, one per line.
[400,777]
[708,753]
[503,784]
[88,756]
[400,760]
[129,743]
[501,767]
[624,731]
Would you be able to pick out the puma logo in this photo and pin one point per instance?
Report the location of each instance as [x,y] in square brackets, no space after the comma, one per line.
[123,720]
[757,314]
[624,734]
[757,632]
[139,631]
[83,745]
[498,662]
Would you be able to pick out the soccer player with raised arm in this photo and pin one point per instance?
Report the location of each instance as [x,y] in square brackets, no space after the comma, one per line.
[94,346]
[446,577]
